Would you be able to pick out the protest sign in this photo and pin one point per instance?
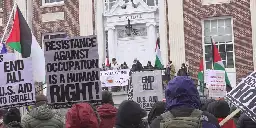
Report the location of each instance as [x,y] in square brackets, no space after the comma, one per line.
[16,83]
[147,88]
[216,84]
[72,71]
[114,78]
[243,96]
[7,57]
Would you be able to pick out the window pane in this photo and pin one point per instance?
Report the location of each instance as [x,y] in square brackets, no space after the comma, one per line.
[208,57]
[46,37]
[150,3]
[227,38]
[228,30]
[230,60]
[1,3]
[112,0]
[47,1]
[221,31]
[213,23]
[208,49]
[209,65]
[222,48]
[224,62]
[206,32]
[223,56]
[221,22]
[207,24]
[228,22]
[207,40]
[126,1]
[229,47]
[213,31]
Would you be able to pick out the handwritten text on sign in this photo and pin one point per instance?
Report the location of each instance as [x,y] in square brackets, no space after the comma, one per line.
[16,83]
[216,83]
[114,78]
[243,96]
[147,88]
[72,70]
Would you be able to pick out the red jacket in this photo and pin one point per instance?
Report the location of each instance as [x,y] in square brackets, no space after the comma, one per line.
[229,124]
[81,115]
[107,114]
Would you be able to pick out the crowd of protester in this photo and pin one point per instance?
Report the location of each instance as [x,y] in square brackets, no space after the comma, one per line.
[182,108]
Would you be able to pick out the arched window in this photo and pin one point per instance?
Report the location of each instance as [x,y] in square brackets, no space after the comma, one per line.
[109,4]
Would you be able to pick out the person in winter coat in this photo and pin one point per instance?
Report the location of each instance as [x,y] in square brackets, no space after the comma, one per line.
[182,98]
[130,115]
[82,115]
[220,109]
[157,110]
[205,103]
[42,116]
[107,111]
[2,113]
[183,71]
[245,122]
[12,119]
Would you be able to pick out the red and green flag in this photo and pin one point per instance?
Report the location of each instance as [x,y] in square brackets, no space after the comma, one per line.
[218,64]
[24,42]
[158,61]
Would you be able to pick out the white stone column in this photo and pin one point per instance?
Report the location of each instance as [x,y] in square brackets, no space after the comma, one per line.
[85,17]
[111,43]
[30,13]
[163,31]
[253,22]
[100,31]
[152,40]
[176,32]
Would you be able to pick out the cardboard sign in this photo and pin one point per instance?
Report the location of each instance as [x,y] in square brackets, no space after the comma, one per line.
[243,96]
[72,71]
[16,83]
[114,78]
[216,83]
[147,88]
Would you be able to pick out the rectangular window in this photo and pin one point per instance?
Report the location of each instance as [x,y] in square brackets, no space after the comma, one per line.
[222,33]
[151,2]
[1,4]
[109,4]
[56,35]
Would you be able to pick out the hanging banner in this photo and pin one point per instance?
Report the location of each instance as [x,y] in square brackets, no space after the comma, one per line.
[7,57]
[114,77]
[72,71]
[16,83]
[147,88]
[216,84]
[243,96]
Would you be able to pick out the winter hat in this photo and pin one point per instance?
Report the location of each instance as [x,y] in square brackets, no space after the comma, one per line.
[157,110]
[220,109]
[107,97]
[13,115]
[41,100]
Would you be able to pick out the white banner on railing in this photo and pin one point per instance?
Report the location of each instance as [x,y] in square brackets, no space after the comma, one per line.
[114,78]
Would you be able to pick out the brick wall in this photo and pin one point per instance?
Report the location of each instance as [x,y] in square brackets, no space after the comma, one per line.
[194,12]
[70,25]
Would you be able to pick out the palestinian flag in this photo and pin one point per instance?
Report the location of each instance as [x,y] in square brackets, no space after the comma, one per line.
[218,64]
[158,61]
[201,75]
[24,42]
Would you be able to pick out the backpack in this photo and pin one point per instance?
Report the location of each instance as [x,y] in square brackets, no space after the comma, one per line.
[193,121]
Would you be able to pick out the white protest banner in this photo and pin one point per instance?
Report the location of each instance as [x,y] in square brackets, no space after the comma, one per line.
[16,83]
[216,83]
[114,78]
[7,57]
[72,71]
[147,88]
[243,96]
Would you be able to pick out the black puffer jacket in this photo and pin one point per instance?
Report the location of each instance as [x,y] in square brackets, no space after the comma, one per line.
[245,122]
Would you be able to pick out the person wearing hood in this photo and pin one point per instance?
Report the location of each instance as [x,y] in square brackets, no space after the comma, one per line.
[130,115]
[107,111]
[12,119]
[205,103]
[220,109]
[42,116]
[82,115]
[245,122]
[157,110]
[182,100]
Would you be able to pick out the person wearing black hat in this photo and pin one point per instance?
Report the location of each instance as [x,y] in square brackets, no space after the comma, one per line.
[42,116]
[12,118]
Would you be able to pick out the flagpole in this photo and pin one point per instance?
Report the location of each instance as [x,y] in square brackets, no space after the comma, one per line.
[8,23]
[212,52]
